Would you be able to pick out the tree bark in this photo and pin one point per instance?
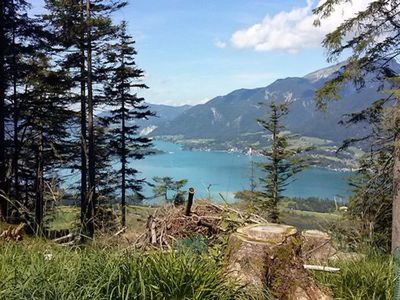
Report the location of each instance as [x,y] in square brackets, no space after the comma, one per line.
[83,191]
[91,153]
[269,256]
[274,214]
[39,187]
[15,159]
[123,158]
[396,196]
[3,201]
[317,246]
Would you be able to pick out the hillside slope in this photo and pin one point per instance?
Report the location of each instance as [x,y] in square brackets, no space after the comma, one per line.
[230,117]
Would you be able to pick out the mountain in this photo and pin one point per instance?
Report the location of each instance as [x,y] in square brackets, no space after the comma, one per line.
[233,116]
[164,114]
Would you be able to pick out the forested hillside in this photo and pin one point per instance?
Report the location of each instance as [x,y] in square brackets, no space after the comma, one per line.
[233,116]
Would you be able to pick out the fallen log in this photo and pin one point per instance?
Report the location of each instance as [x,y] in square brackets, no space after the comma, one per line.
[264,255]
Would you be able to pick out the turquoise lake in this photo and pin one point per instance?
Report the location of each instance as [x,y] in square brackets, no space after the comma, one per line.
[230,172]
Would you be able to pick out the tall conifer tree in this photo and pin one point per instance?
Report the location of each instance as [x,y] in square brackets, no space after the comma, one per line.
[46,119]
[125,141]
[84,29]
[371,37]
[19,37]
[284,160]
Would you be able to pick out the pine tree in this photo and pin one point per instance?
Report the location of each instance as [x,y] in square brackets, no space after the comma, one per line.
[20,37]
[66,22]
[84,28]
[371,201]
[162,185]
[125,141]
[371,37]
[3,87]
[46,117]
[283,160]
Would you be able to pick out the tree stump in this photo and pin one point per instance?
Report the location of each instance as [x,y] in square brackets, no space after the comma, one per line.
[269,255]
[317,245]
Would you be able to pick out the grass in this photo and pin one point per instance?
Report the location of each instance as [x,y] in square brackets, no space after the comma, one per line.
[370,278]
[36,269]
[307,219]
[67,217]
[39,270]
[64,217]
[136,216]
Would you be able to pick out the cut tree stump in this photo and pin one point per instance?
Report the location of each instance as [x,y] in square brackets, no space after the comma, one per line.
[317,245]
[269,255]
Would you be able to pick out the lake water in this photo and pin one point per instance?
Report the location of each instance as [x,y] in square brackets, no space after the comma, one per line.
[230,172]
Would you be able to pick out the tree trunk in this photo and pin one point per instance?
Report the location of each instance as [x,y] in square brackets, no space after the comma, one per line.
[39,187]
[396,197]
[91,153]
[83,191]
[273,210]
[317,246]
[3,201]
[15,159]
[269,255]
[123,160]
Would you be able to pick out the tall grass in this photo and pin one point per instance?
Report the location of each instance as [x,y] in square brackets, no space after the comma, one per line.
[40,271]
[370,278]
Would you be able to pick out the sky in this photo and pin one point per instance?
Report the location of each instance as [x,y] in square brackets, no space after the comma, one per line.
[194,50]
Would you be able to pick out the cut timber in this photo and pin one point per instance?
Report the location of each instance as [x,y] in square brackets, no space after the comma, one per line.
[321,268]
[121,231]
[317,245]
[269,255]
[63,239]
[13,233]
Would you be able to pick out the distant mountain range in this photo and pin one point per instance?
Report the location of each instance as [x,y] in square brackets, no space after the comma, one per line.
[230,122]
[234,116]
[164,115]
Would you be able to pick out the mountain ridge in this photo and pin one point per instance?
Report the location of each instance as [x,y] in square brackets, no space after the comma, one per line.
[230,116]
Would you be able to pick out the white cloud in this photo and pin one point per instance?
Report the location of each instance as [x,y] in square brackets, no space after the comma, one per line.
[294,30]
[220,44]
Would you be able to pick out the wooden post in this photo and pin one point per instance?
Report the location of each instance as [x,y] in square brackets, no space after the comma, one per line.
[190,202]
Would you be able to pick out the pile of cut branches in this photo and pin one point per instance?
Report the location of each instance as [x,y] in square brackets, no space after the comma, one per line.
[169,223]
[13,233]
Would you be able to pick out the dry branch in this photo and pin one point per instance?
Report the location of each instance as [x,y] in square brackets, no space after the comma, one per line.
[321,268]
[170,223]
[13,233]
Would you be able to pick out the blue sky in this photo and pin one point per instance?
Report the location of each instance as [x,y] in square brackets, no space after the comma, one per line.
[194,50]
